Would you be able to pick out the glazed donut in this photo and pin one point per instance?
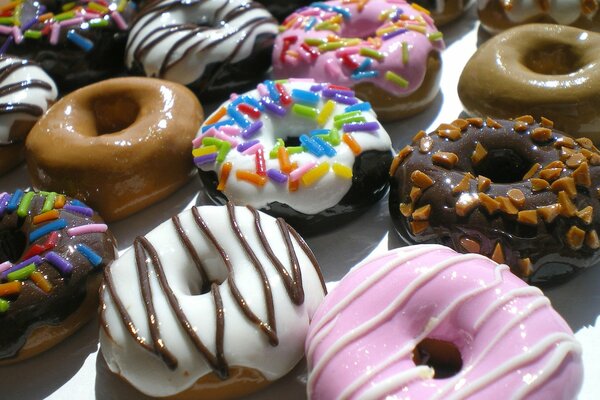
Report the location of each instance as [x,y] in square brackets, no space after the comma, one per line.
[424,322]
[281,9]
[26,92]
[396,67]
[124,144]
[228,315]
[516,191]
[497,15]
[444,11]
[548,70]
[311,153]
[52,252]
[75,42]
[213,47]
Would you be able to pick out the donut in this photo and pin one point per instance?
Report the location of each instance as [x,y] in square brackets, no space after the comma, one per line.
[517,191]
[497,15]
[281,9]
[228,315]
[547,70]
[213,47]
[125,144]
[444,11]
[309,152]
[386,50]
[26,92]
[423,322]
[75,42]
[52,251]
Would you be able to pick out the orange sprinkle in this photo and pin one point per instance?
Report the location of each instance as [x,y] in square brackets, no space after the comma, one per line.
[60,201]
[41,281]
[7,289]
[213,119]
[225,170]
[293,186]
[284,160]
[9,6]
[47,216]
[251,177]
[354,146]
[45,17]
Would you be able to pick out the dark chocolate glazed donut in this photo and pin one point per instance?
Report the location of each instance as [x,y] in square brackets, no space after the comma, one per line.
[52,252]
[517,191]
[76,43]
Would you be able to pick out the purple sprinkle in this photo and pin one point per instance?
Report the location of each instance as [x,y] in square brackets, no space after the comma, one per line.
[345,99]
[86,211]
[252,130]
[59,263]
[245,146]
[277,176]
[331,93]
[390,35]
[361,126]
[29,24]
[205,159]
[274,108]
[6,44]
[316,88]
[3,203]
[33,260]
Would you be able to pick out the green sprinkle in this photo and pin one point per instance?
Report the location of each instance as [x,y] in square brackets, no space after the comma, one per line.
[314,41]
[7,21]
[4,305]
[98,23]
[210,141]
[21,274]
[122,5]
[334,137]
[223,150]
[435,36]
[278,144]
[49,202]
[339,123]
[397,79]
[24,205]
[294,149]
[64,16]
[404,53]
[97,7]
[347,115]
[31,34]
[326,25]
[68,6]
[330,46]
[282,81]
[368,52]
[305,111]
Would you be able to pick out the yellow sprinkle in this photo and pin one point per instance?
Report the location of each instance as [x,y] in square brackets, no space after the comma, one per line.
[202,151]
[121,6]
[41,281]
[419,8]
[326,112]
[342,171]
[315,174]
[416,28]
[383,31]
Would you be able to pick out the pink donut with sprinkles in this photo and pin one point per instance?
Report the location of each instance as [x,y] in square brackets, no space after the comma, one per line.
[388,51]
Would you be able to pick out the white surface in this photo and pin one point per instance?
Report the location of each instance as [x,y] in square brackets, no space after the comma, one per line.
[75,370]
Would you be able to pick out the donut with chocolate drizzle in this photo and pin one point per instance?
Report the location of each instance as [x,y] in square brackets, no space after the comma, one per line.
[517,191]
[213,303]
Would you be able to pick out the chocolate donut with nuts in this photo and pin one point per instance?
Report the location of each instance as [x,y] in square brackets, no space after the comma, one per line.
[517,191]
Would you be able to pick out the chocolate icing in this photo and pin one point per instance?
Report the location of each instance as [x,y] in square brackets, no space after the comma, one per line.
[33,307]
[508,218]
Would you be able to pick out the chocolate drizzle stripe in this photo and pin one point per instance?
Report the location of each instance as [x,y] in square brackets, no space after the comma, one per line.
[193,253]
[7,108]
[6,71]
[222,367]
[310,256]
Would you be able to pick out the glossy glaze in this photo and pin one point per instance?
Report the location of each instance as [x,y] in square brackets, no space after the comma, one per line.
[444,11]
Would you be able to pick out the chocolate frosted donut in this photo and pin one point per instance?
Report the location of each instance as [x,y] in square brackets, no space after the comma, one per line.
[77,43]
[210,46]
[517,191]
[52,252]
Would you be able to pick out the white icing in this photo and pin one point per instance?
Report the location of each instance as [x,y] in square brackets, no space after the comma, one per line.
[34,96]
[194,52]
[564,12]
[244,344]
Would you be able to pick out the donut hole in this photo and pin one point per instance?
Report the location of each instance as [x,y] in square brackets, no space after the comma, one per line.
[442,356]
[114,113]
[503,166]
[12,245]
[553,59]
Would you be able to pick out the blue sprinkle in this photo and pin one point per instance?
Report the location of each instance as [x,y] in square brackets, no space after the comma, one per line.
[237,116]
[364,65]
[306,97]
[319,132]
[218,124]
[273,93]
[327,148]
[311,146]
[311,22]
[82,42]
[88,253]
[14,201]
[366,106]
[364,75]
[345,13]
[248,100]
[44,230]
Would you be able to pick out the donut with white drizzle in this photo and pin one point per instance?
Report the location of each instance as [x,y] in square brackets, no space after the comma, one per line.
[309,152]
[218,295]
[26,92]
[211,46]
[424,322]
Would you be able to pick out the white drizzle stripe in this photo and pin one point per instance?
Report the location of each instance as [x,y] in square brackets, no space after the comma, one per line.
[505,298]
[387,386]
[384,315]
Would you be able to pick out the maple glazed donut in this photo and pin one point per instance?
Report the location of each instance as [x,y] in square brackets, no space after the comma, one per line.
[309,152]
[26,92]
[517,191]
[125,144]
[423,322]
[221,301]
[497,15]
[211,46]
[548,70]
[444,11]
[386,50]
[53,249]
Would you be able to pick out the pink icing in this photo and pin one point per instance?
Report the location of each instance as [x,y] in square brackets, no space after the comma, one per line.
[513,344]
[291,59]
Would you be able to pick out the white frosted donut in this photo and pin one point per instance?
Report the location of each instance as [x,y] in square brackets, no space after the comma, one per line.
[211,291]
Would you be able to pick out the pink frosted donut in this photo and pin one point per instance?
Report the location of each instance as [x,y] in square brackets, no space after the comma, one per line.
[386,50]
[367,337]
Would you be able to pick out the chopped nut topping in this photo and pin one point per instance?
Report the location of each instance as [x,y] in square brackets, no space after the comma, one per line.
[575,237]
[555,164]
[491,205]
[567,208]
[492,123]
[418,227]
[591,239]
[479,154]
[537,185]
[476,122]
[402,154]
[425,144]
[483,183]
[444,159]
[461,124]
[566,153]
[550,174]
[418,136]
[520,126]
[587,153]
[507,206]
[525,267]
[406,209]
[421,179]
[541,135]
[582,175]
[422,213]
[464,184]
[589,6]
[498,254]
[586,214]
[449,131]
[528,119]
[534,168]
[548,213]
[470,245]
[567,184]
[564,142]
[466,203]
[585,143]
[415,194]
[528,217]
[546,122]
[595,159]
[517,197]
[574,161]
